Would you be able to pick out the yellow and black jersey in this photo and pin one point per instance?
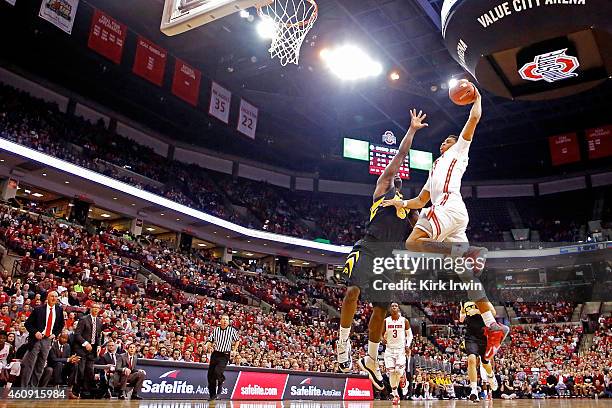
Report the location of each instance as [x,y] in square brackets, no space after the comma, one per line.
[388,224]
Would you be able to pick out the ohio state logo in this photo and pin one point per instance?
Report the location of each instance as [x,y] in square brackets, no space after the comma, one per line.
[550,67]
[389,138]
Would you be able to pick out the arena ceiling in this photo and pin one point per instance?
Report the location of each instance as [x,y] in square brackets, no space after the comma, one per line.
[306,111]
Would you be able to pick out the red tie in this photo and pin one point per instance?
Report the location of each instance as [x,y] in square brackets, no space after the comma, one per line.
[49,324]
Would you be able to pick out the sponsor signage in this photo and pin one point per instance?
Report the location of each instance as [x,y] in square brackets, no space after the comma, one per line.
[252,385]
[314,388]
[358,389]
[173,383]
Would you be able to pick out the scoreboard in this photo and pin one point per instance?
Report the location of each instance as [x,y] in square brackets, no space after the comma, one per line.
[381,155]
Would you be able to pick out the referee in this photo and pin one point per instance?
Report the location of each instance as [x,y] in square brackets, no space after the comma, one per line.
[224,339]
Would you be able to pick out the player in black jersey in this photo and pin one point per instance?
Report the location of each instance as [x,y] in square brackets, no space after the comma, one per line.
[475,345]
[385,231]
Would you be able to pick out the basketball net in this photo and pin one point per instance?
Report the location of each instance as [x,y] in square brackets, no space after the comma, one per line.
[292,20]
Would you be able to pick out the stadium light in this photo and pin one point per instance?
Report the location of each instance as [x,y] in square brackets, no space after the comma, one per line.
[266,27]
[394,76]
[349,62]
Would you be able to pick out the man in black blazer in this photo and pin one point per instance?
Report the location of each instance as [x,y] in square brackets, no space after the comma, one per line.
[44,324]
[110,359]
[129,373]
[61,364]
[86,340]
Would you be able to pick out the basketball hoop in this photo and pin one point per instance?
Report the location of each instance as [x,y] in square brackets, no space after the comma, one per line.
[292,20]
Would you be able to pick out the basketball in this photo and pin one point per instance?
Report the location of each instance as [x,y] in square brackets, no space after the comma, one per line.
[462,93]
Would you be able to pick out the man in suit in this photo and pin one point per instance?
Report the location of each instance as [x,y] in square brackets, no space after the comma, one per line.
[43,325]
[110,359]
[61,364]
[86,340]
[129,374]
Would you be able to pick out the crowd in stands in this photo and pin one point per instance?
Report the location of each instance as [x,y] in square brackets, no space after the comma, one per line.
[169,324]
[40,125]
[544,312]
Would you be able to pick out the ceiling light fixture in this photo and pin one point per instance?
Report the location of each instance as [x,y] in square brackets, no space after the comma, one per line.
[349,62]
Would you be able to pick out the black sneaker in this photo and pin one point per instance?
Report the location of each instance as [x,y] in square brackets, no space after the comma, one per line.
[378,383]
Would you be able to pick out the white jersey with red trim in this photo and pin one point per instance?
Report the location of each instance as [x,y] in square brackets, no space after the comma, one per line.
[444,182]
[396,332]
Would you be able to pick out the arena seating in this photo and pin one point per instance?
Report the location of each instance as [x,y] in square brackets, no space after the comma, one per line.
[164,321]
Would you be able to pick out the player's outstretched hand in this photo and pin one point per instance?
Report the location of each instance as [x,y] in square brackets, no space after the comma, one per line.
[416,121]
[395,203]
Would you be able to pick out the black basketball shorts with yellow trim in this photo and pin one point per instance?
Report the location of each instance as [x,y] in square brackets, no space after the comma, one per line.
[359,265]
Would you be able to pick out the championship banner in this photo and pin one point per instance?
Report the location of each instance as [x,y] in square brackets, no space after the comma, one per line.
[186,82]
[150,61]
[107,36]
[220,99]
[564,149]
[247,119]
[599,141]
[60,13]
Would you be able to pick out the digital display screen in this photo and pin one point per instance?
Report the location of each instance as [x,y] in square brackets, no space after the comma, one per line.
[421,160]
[356,149]
[381,156]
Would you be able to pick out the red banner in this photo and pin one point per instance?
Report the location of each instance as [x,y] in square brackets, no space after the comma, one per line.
[260,386]
[186,82]
[150,61]
[599,141]
[107,36]
[358,389]
[564,149]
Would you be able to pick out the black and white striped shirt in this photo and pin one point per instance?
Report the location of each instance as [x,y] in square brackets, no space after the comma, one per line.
[223,338]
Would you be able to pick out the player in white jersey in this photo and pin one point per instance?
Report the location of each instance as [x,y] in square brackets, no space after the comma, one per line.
[397,338]
[442,226]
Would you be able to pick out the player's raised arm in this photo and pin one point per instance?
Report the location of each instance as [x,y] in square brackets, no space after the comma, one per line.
[386,178]
[475,113]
